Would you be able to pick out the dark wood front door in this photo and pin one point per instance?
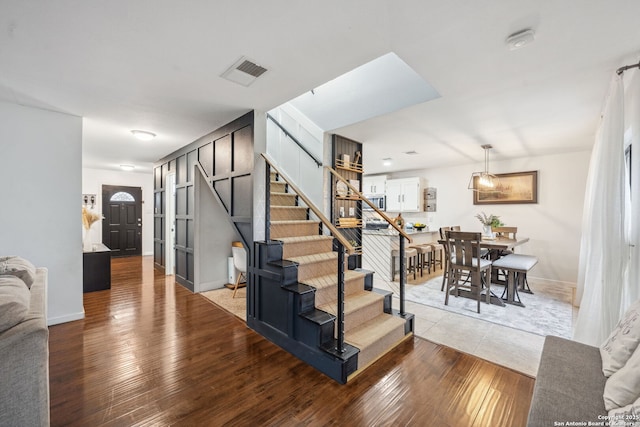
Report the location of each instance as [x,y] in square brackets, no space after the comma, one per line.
[122,225]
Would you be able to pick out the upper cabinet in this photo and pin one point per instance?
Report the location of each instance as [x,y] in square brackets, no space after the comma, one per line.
[403,195]
[375,184]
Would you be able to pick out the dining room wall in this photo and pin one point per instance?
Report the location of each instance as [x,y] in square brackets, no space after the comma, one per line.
[553,225]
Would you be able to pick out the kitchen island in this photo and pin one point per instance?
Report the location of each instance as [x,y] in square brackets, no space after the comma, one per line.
[378,244]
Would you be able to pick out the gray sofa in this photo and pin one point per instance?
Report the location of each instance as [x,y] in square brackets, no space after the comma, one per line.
[24,363]
[569,386]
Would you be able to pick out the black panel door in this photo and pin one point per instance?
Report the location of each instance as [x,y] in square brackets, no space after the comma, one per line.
[122,225]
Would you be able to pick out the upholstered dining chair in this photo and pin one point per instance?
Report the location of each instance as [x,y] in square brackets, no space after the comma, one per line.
[240,263]
[504,233]
[466,270]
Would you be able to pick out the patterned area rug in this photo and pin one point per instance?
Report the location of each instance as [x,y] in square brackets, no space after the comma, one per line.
[542,314]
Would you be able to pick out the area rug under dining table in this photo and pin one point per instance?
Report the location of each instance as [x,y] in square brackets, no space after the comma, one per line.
[542,314]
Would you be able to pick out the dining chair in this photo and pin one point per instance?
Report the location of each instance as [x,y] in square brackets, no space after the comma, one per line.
[504,233]
[445,267]
[466,271]
[240,263]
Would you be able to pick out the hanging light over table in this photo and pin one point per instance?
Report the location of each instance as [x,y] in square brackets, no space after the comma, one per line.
[484,181]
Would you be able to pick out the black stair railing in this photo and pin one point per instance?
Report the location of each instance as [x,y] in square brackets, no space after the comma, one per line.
[403,237]
[342,244]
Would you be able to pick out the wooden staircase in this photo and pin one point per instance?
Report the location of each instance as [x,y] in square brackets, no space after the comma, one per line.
[371,327]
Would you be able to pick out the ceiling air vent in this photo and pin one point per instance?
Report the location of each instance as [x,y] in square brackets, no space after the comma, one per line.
[244,72]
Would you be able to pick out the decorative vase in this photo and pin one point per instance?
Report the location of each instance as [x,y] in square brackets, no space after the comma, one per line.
[486,231]
[86,240]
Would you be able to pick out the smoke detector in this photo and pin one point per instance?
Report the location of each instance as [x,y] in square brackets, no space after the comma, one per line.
[244,72]
[520,39]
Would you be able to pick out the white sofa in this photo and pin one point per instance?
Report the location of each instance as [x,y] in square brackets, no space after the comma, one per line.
[24,359]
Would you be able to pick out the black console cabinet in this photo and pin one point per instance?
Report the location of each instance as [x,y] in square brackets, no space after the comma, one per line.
[96,265]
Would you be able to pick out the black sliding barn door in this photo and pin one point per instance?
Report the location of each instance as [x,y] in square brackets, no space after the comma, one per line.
[122,225]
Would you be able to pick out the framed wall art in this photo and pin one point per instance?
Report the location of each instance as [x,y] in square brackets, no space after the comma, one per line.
[518,187]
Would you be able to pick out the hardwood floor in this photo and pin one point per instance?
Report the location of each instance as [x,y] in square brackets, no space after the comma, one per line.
[149,352]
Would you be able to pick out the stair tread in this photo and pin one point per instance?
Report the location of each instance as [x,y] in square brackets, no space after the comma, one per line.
[294,221]
[288,207]
[354,302]
[331,279]
[372,330]
[280,193]
[310,238]
[309,259]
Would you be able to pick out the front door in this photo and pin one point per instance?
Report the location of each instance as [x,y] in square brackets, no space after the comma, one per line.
[122,226]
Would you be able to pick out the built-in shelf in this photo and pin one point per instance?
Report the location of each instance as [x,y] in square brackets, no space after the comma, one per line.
[348,166]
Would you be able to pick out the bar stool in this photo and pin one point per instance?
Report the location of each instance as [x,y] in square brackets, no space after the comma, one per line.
[410,254]
[437,248]
[425,253]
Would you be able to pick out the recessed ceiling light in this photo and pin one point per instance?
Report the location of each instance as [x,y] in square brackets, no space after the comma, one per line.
[386,161]
[411,153]
[520,39]
[127,167]
[143,135]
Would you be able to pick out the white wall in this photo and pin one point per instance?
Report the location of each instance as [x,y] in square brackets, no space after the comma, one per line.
[92,181]
[40,214]
[294,162]
[553,224]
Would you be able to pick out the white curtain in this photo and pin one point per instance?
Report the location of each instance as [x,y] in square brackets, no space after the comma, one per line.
[604,251]
[632,131]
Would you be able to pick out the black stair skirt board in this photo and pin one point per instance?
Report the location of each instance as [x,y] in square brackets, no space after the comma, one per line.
[285,314]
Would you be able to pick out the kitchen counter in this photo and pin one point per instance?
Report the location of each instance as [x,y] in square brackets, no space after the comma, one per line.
[392,232]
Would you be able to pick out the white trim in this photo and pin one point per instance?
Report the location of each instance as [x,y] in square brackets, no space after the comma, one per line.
[66,318]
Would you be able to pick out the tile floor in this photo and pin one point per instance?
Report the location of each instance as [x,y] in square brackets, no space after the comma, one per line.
[512,348]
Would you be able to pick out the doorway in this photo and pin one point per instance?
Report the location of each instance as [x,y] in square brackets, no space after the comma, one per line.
[122,226]
[170,225]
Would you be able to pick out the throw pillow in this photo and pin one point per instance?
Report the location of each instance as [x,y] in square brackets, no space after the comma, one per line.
[19,267]
[626,416]
[623,387]
[14,302]
[622,342]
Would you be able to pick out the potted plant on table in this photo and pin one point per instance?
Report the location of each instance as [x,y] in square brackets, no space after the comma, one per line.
[489,221]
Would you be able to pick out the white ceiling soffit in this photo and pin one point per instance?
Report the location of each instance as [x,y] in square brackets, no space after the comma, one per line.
[379,87]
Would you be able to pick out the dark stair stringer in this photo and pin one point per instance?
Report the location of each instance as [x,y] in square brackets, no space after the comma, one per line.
[285,314]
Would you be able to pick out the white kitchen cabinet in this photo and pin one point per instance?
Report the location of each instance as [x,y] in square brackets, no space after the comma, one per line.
[374,184]
[403,195]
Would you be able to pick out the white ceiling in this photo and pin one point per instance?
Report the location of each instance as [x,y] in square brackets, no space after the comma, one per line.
[155,65]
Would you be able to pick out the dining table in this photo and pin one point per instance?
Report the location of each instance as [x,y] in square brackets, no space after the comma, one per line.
[495,246]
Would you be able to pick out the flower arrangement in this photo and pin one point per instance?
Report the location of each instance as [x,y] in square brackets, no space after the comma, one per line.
[489,220]
[89,217]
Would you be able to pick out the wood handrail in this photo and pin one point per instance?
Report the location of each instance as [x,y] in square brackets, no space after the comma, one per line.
[323,219]
[368,202]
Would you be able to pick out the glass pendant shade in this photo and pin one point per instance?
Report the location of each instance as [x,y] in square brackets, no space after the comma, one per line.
[484,181]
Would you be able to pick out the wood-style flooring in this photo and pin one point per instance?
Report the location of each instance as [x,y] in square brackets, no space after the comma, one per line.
[149,352]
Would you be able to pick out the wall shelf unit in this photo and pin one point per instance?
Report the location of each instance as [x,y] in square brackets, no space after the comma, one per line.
[346,208]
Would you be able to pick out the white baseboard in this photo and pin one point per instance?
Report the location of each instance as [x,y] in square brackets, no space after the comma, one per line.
[559,282]
[64,319]
[209,286]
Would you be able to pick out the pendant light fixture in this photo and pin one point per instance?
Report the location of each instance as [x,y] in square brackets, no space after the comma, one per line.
[484,181]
